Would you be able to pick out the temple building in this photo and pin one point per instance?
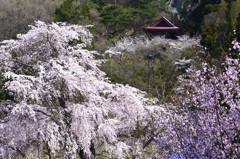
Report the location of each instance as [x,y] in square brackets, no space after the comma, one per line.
[162,27]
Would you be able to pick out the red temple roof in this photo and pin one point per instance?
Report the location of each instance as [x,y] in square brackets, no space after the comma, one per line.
[162,25]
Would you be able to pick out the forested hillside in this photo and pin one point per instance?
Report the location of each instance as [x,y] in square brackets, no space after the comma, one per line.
[16,15]
[214,20]
[81,79]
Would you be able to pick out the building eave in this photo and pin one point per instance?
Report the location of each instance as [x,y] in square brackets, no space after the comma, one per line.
[161,28]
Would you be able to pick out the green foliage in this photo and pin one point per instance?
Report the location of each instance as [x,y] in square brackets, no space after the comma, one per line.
[91,29]
[72,12]
[118,28]
[101,4]
[229,25]
[237,25]
[211,8]
[141,72]
[115,18]
[209,38]
[148,68]
[145,11]
[85,12]
[17,15]
[67,12]
[221,19]
[196,16]
[112,41]
[229,1]
[90,47]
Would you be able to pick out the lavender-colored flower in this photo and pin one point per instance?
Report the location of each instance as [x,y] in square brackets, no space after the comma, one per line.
[205,121]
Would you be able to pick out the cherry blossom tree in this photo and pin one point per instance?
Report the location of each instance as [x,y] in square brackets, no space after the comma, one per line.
[56,102]
[204,120]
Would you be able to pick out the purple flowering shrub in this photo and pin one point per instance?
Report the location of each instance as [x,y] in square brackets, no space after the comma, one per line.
[204,121]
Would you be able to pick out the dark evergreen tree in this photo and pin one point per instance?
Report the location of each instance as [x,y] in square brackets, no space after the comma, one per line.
[116,18]
[238,27]
[67,12]
[101,3]
[209,38]
[194,19]
[144,11]
[229,27]
[72,12]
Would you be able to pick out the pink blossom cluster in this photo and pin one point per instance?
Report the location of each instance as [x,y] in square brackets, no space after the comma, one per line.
[236,45]
[59,103]
[205,121]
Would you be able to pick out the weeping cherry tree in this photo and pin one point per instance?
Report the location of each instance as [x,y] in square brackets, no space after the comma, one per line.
[56,102]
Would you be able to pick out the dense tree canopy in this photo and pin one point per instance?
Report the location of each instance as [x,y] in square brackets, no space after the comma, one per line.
[73,12]
[195,15]
[237,27]
[59,98]
[57,102]
[16,15]
[204,123]
[115,18]
[209,38]
[147,64]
